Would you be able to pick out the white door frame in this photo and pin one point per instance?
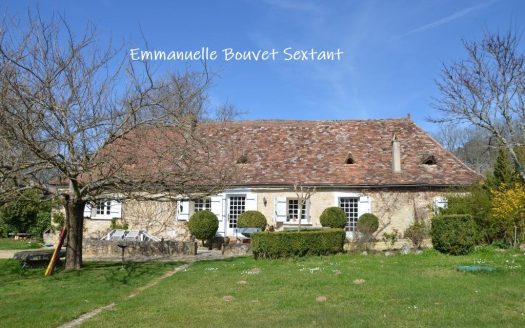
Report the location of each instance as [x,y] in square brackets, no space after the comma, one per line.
[227,230]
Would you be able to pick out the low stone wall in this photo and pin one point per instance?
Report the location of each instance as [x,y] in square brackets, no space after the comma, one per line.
[236,249]
[109,248]
[381,246]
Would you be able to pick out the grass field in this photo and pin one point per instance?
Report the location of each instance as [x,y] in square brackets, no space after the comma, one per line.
[398,291]
[9,243]
[338,291]
[28,299]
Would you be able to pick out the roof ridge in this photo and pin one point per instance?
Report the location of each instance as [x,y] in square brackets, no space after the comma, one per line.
[286,121]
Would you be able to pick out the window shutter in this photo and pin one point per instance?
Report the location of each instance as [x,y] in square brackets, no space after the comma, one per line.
[439,203]
[116,209]
[280,209]
[364,205]
[216,207]
[87,210]
[307,214]
[251,202]
[183,210]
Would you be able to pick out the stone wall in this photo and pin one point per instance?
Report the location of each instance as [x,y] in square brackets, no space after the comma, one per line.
[381,246]
[157,218]
[109,248]
[96,228]
[396,209]
[236,249]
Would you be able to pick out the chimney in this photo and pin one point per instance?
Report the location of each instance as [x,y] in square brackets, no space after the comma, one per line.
[396,155]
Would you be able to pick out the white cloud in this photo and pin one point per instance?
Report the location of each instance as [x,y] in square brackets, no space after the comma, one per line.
[303,6]
[445,20]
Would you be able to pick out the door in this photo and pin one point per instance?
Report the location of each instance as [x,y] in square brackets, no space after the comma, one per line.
[236,204]
[350,206]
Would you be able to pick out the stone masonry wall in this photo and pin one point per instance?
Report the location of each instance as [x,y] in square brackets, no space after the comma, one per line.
[109,248]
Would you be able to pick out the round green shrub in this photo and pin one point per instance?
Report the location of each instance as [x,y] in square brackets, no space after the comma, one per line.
[203,225]
[333,217]
[252,219]
[454,234]
[367,224]
[417,232]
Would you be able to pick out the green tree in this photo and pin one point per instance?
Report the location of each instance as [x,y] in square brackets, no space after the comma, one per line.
[29,212]
[505,173]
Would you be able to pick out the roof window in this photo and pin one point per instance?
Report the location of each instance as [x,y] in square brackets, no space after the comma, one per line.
[429,160]
[243,159]
[349,159]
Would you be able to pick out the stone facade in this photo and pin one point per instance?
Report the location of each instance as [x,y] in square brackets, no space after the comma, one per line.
[158,218]
[96,228]
[395,210]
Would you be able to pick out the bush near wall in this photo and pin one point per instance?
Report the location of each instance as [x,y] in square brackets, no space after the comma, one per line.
[271,245]
[203,225]
[454,234]
[252,219]
[333,217]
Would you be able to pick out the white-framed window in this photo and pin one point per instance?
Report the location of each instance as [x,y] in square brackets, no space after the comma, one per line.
[350,206]
[202,204]
[103,207]
[236,206]
[439,204]
[292,210]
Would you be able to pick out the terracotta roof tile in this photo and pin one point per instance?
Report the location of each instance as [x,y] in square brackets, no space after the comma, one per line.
[314,152]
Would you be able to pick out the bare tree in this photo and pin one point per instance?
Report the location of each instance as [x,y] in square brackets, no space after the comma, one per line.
[74,112]
[303,193]
[473,145]
[487,90]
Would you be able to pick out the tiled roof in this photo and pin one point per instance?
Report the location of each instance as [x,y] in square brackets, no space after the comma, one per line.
[314,152]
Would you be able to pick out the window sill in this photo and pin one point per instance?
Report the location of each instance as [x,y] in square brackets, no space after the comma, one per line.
[297,223]
[100,217]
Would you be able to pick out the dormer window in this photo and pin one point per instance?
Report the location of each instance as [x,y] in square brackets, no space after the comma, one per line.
[429,160]
[243,159]
[349,159]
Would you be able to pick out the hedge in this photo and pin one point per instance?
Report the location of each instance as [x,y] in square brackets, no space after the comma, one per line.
[271,245]
[454,234]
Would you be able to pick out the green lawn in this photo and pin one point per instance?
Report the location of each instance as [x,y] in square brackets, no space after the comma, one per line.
[28,299]
[9,243]
[398,291]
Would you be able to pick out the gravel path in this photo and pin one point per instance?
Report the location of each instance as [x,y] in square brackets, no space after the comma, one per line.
[8,254]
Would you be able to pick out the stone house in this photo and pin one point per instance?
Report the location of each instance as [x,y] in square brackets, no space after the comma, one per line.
[388,167]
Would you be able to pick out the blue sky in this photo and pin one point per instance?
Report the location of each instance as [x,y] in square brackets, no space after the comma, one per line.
[393,50]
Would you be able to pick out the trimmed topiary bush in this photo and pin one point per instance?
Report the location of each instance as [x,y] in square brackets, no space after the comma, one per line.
[454,234]
[271,245]
[333,217]
[203,225]
[367,224]
[252,219]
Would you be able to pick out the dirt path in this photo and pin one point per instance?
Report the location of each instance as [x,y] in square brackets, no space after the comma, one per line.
[8,254]
[86,316]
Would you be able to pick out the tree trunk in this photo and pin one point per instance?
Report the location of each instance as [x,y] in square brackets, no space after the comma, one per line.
[75,228]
